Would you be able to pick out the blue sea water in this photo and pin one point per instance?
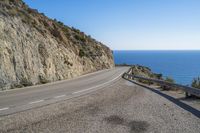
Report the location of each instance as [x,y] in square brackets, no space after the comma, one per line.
[182,66]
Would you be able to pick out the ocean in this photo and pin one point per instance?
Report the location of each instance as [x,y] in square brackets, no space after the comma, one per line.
[182,66]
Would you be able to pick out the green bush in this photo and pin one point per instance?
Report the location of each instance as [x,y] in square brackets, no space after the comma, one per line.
[170,80]
[16,85]
[82,53]
[43,80]
[60,23]
[158,76]
[76,30]
[145,82]
[196,83]
[25,82]
[80,38]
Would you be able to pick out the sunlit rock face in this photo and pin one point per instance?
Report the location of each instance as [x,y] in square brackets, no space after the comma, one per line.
[35,49]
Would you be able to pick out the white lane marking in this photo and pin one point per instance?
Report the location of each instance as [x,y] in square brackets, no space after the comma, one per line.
[97,85]
[60,96]
[57,82]
[4,109]
[36,101]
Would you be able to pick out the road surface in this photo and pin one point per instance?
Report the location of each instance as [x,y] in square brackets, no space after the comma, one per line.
[100,103]
[31,97]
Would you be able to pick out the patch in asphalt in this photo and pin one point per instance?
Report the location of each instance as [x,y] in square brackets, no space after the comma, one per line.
[135,126]
[115,120]
[138,126]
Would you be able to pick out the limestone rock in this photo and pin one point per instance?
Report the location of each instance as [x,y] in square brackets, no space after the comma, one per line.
[35,49]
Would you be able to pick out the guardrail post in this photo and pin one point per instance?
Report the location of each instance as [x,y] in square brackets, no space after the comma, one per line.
[186,95]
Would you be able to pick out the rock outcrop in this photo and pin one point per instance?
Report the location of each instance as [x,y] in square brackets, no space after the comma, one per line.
[144,72]
[35,49]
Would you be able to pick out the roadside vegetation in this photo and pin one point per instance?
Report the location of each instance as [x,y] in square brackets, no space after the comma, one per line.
[196,83]
[169,80]
[147,73]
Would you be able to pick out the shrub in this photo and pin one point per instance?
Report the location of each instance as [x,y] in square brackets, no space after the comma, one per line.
[158,76]
[16,85]
[55,20]
[43,80]
[66,32]
[145,82]
[56,33]
[80,38]
[32,10]
[68,63]
[60,23]
[76,30]
[81,53]
[25,82]
[169,80]
[196,83]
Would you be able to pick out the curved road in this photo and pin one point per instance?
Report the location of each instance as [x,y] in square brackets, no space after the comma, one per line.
[101,102]
[22,99]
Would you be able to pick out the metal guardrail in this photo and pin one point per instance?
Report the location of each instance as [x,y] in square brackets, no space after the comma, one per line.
[187,89]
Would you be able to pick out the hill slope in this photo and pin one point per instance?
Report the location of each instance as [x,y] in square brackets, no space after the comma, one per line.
[35,49]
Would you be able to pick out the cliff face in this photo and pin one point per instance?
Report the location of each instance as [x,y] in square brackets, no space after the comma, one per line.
[35,49]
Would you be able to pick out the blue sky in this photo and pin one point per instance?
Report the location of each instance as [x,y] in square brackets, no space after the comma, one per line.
[131,24]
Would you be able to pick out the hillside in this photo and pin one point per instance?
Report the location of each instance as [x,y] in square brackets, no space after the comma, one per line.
[145,72]
[35,49]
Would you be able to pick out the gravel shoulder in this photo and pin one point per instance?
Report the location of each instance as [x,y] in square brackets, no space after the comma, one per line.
[180,95]
[122,107]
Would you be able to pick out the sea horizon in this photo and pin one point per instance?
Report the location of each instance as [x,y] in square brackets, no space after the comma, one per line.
[181,65]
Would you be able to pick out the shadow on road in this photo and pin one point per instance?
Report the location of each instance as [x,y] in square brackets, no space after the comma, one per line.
[172,99]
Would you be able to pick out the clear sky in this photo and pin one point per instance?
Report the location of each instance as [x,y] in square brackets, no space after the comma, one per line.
[131,24]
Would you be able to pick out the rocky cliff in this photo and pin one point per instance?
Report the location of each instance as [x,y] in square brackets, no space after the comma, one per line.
[145,72]
[35,49]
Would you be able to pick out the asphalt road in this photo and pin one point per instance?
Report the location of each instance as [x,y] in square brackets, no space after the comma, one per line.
[118,107]
[31,97]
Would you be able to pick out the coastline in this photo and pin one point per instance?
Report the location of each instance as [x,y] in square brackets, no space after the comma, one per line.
[180,65]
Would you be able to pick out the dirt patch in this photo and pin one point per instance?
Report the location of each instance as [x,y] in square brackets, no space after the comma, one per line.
[135,126]
[115,120]
[138,126]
